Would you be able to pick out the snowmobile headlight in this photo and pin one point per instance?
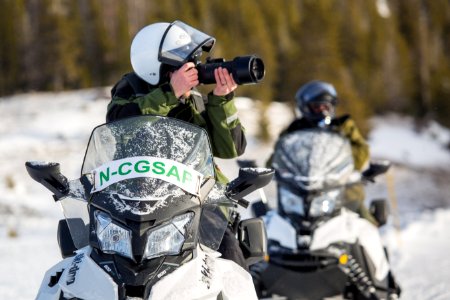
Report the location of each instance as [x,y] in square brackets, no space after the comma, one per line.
[292,203]
[324,203]
[112,238]
[169,238]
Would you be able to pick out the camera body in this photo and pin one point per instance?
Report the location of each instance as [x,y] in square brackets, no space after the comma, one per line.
[245,69]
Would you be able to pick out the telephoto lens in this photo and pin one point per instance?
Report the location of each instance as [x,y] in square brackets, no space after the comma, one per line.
[245,69]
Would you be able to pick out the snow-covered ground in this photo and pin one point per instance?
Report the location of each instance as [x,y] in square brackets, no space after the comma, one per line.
[56,127]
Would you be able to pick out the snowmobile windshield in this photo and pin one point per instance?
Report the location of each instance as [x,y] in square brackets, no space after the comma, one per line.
[313,159]
[148,158]
[180,42]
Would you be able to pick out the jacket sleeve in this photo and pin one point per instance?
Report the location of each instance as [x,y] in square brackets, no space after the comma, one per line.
[126,103]
[360,148]
[226,131]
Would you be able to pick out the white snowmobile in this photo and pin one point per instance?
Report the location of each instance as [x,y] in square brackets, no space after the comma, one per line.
[146,217]
[318,247]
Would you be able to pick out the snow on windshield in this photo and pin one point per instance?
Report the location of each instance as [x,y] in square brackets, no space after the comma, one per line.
[307,156]
[149,136]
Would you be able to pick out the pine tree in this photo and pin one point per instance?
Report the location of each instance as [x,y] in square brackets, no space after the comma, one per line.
[10,46]
[438,42]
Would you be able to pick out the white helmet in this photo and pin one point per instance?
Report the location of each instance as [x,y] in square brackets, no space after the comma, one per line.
[164,43]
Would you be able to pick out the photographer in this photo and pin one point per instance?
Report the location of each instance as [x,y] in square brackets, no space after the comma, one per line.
[164,81]
[164,57]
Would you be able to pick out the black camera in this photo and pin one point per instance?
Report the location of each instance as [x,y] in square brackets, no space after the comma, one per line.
[245,69]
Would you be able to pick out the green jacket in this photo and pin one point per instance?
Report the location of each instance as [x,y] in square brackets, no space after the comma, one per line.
[218,115]
[360,148]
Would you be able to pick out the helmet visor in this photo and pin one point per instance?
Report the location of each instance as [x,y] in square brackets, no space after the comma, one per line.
[322,92]
[180,42]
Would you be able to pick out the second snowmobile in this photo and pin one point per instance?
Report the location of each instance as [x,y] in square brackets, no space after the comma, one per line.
[318,247]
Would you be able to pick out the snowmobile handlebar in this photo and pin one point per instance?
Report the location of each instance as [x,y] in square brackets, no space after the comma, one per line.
[376,168]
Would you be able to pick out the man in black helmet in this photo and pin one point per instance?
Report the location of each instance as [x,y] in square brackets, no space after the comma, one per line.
[316,101]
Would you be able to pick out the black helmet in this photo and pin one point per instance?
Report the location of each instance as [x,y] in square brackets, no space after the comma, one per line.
[316,101]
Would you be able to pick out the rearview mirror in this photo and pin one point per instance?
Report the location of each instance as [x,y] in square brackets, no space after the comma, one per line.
[49,175]
[248,181]
[376,168]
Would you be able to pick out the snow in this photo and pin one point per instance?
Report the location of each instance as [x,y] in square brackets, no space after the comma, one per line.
[427,148]
[420,256]
[55,127]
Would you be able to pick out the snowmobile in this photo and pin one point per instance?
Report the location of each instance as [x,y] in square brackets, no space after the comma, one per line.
[146,216]
[318,247]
